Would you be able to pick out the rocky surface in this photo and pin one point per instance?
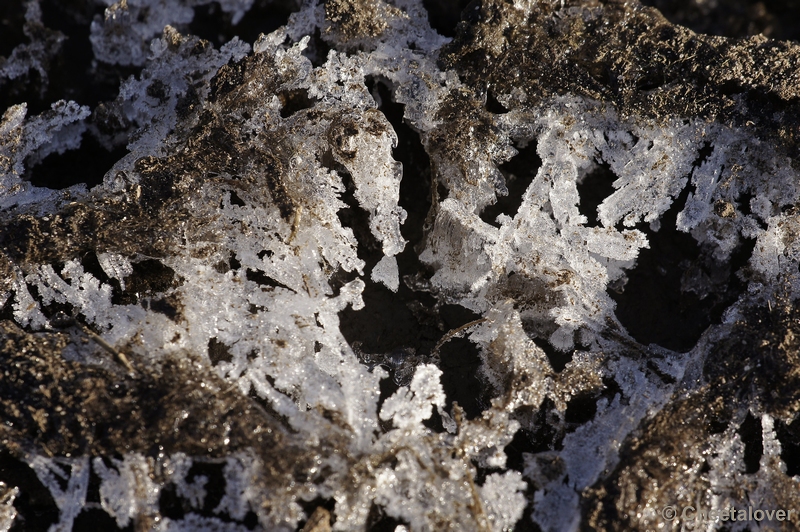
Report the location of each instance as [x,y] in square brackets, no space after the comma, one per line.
[398,265]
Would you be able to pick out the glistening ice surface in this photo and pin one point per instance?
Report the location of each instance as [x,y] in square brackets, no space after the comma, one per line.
[536,271]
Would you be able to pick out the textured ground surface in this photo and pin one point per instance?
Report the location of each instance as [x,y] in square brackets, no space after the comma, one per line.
[399,265]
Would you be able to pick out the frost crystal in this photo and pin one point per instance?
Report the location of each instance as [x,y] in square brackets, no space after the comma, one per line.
[356,274]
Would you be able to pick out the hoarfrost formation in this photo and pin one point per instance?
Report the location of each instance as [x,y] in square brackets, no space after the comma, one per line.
[204,339]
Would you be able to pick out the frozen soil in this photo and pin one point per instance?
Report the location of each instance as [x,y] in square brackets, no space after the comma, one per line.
[397,265]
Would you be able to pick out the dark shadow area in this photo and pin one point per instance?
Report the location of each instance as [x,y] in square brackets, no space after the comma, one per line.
[216,26]
[789,436]
[545,428]
[72,72]
[12,19]
[581,409]
[750,433]
[262,279]
[36,509]
[95,519]
[444,15]
[660,303]
[294,101]
[86,164]
[378,521]
[558,359]
[218,352]
[309,507]
[149,276]
[776,19]
[595,187]
[408,320]
[518,173]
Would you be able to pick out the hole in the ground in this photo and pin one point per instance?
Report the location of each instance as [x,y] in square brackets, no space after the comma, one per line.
[294,101]
[593,188]
[444,15]
[750,433]
[218,352]
[86,164]
[518,173]
[35,505]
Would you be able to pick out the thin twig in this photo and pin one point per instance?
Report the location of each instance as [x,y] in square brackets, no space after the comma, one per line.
[453,333]
[108,347]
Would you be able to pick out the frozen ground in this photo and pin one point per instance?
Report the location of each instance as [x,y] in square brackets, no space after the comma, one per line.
[356,265]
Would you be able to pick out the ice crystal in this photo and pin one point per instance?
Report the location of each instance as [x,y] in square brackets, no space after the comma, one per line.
[177,331]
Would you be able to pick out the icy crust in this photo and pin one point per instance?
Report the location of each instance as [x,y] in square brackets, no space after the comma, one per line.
[35,55]
[201,284]
[123,34]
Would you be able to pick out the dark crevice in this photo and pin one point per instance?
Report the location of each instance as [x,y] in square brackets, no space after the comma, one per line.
[87,164]
[72,72]
[518,173]
[170,505]
[149,277]
[309,507]
[525,523]
[775,19]
[595,187]
[218,352]
[379,521]
[294,101]
[12,20]
[580,409]
[493,105]
[789,436]
[677,289]
[35,505]
[317,49]
[558,359]
[750,433]
[215,486]
[444,15]
[93,519]
[216,26]
[460,363]
[264,280]
[522,443]
[545,425]
[236,200]
[357,219]
[703,154]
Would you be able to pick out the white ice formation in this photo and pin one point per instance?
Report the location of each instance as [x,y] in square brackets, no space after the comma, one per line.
[240,161]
